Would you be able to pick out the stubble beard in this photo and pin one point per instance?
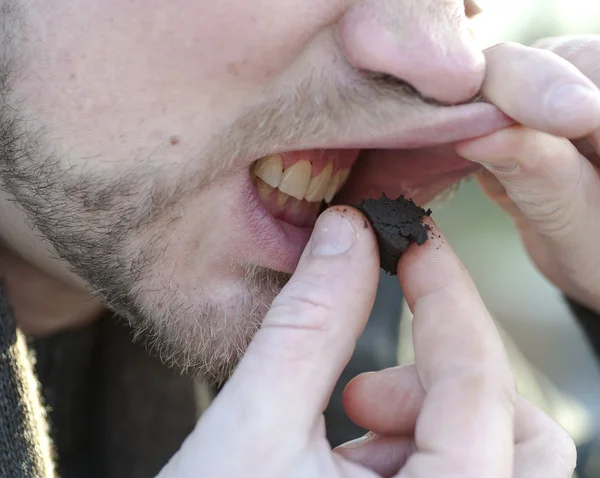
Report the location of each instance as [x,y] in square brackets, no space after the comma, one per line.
[88,219]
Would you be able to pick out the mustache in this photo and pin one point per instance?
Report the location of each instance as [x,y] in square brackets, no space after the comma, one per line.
[321,106]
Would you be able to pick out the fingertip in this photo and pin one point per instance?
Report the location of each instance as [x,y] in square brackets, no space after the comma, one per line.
[542,90]
[387,401]
[573,110]
[354,392]
[423,269]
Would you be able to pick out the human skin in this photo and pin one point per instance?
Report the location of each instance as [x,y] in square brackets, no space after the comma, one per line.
[123,156]
[127,176]
[131,129]
[455,412]
[545,172]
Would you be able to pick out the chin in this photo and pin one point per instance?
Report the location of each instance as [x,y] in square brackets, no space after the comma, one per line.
[203,331]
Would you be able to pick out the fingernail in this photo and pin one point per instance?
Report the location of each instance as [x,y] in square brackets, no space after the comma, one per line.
[502,166]
[358,442]
[333,235]
[570,99]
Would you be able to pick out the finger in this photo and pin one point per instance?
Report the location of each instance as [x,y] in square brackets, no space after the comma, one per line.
[583,52]
[541,90]
[493,189]
[542,447]
[387,402]
[384,455]
[556,189]
[310,332]
[463,367]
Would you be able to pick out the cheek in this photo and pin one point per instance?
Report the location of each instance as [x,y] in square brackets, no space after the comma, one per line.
[129,74]
[183,41]
[200,243]
[244,40]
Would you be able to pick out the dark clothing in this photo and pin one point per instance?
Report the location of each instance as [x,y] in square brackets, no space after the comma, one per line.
[115,410]
[24,447]
[590,324]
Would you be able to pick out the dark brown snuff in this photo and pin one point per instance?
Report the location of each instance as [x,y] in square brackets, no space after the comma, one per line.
[397,224]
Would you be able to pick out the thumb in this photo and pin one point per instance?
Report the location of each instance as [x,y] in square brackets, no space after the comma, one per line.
[308,336]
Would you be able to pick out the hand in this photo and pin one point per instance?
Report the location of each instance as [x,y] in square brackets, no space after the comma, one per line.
[454,413]
[548,184]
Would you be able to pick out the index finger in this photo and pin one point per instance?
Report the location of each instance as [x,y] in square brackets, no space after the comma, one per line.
[466,423]
[541,90]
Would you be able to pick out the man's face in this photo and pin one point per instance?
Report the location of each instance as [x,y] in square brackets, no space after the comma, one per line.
[131,132]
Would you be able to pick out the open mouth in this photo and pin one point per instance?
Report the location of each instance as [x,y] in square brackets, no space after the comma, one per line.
[291,189]
[288,190]
[294,187]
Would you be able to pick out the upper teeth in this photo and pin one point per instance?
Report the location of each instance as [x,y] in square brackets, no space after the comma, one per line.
[296,180]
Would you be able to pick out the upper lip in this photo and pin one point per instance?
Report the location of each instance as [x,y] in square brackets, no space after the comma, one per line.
[435,125]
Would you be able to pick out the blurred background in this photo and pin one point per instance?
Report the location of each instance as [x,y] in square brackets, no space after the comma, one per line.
[555,364]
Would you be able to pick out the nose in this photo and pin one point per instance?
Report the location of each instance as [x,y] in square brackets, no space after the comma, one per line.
[425,43]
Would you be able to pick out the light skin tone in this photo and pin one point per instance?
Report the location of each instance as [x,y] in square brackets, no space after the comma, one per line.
[453,413]
[135,166]
[126,183]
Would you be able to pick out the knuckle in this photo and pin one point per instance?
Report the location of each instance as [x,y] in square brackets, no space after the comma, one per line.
[547,185]
[507,45]
[551,215]
[545,43]
[308,301]
[300,322]
[514,49]
[537,151]
[559,453]
[581,50]
[483,381]
[568,456]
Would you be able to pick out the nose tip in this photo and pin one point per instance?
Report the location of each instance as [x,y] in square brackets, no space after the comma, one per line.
[443,64]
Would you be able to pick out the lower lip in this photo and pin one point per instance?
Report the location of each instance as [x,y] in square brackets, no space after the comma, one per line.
[280,244]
